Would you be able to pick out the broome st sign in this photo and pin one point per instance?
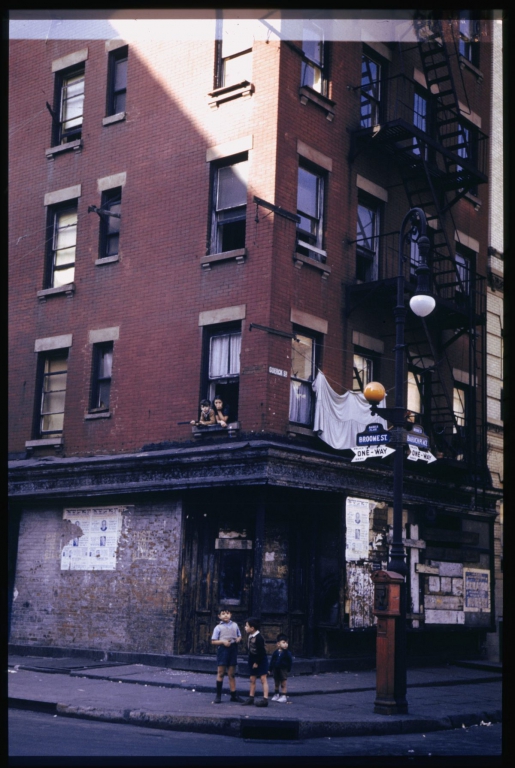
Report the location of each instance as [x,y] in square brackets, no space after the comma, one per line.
[372,443]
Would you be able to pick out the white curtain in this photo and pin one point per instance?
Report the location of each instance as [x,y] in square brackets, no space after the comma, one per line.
[339,418]
[224,359]
[300,402]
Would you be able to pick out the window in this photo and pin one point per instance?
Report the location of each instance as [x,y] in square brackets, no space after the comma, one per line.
[229,205]
[370,91]
[223,370]
[101,379]
[468,43]
[459,405]
[464,261]
[313,62]
[62,244]
[310,207]
[233,53]
[414,394]
[367,239]
[68,106]
[110,219]
[467,148]
[54,371]
[304,353]
[363,371]
[117,80]
[419,120]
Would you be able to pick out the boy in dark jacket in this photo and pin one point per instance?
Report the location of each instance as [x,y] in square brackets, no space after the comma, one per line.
[280,667]
[258,661]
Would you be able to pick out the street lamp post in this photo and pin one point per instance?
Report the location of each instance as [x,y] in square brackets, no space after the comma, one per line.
[422,304]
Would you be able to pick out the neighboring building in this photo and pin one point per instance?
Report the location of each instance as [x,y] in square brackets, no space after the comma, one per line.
[213,211]
[495,329]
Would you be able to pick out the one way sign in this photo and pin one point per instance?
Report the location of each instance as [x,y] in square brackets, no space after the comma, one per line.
[369,451]
[415,454]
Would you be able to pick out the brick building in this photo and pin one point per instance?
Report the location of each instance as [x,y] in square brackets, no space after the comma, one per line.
[211,209]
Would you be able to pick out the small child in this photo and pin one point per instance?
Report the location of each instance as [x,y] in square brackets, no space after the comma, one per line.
[280,667]
[258,662]
[226,636]
[221,412]
[207,415]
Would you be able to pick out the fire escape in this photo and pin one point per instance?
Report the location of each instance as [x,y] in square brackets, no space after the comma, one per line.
[441,157]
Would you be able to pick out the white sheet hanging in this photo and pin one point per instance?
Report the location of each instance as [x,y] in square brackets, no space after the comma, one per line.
[339,418]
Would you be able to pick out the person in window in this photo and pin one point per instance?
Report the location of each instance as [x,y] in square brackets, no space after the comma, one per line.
[221,412]
[207,415]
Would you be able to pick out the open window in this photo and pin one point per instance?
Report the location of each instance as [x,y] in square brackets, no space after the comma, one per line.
[363,369]
[222,366]
[229,206]
[52,377]
[469,33]
[233,53]
[68,111]
[305,353]
[314,60]
[62,242]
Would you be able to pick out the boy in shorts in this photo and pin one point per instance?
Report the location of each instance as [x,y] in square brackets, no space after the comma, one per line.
[280,667]
[226,635]
[258,662]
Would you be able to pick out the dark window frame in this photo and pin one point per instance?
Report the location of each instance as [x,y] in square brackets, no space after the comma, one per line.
[316,361]
[315,235]
[468,37]
[375,360]
[101,380]
[367,259]
[53,214]
[373,91]
[228,225]
[315,63]
[225,386]
[116,91]
[109,242]
[60,134]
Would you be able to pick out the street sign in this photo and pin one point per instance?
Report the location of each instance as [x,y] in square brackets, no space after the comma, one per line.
[370,451]
[417,437]
[374,434]
[415,454]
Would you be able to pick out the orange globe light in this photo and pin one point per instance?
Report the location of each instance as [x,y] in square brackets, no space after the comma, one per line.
[374,392]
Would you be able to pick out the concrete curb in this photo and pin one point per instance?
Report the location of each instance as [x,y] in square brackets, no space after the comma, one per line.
[243,725]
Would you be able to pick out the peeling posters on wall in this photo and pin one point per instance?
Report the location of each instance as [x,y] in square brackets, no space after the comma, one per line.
[94,545]
[357,514]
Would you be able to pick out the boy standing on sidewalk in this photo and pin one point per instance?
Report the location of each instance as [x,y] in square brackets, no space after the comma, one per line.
[226,636]
[280,667]
[258,662]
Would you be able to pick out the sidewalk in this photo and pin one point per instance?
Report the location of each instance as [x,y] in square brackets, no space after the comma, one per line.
[327,704]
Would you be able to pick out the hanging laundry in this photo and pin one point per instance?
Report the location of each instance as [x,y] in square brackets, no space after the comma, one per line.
[339,418]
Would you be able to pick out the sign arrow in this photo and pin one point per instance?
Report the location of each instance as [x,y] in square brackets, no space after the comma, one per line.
[415,454]
[370,451]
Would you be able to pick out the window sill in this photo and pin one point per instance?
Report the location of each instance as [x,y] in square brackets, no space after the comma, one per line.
[46,442]
[239,255]
[231,430]
[118,118]
[296,429]
[308,94]
[466,64]
[299,260]
[107,260]
[476,202]
[99,415]
[228,92]
[53,151]
[46,293]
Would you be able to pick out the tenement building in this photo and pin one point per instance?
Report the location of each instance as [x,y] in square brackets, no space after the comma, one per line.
[212,209]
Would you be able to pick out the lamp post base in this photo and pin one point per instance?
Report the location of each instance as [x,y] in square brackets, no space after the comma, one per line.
[387,706]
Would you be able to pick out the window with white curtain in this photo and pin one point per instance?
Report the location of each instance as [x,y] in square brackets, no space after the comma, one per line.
[223,372]
[303,372]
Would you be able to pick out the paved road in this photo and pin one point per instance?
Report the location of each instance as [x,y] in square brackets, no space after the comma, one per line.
[32,733]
